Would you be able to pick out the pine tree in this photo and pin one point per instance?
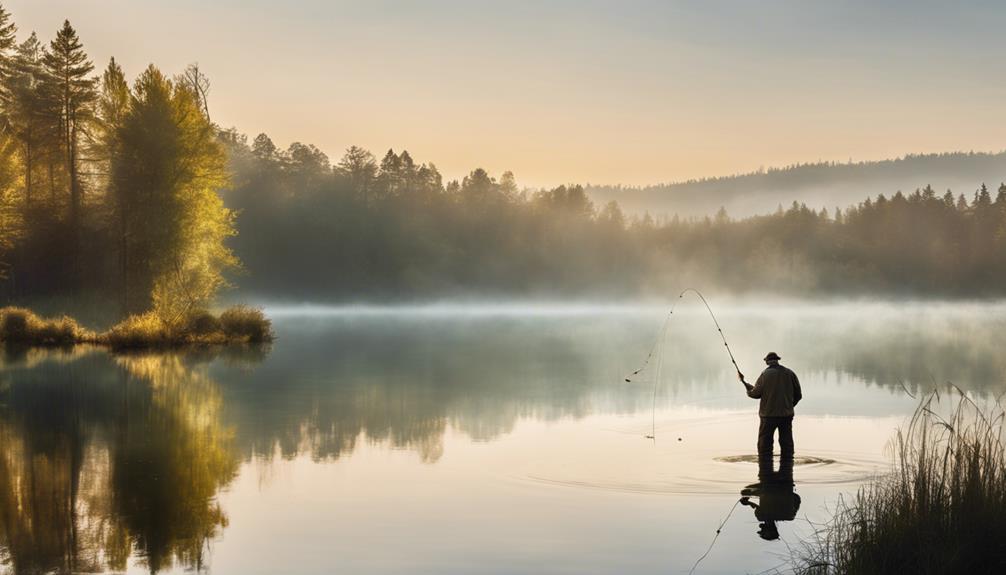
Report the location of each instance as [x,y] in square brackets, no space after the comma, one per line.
[982,198]
[113,99]
[8,40]
[390,175]
[25,110]
[9,216]
[113,105]
[73,92]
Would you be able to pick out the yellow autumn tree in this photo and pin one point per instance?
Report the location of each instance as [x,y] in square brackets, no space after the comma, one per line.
[165,177]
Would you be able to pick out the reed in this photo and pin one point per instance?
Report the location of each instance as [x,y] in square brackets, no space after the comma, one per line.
[941,510]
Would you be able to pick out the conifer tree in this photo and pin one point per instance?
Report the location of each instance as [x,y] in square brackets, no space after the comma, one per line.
[72,91]
[8,40]
[113,103]
[25,110]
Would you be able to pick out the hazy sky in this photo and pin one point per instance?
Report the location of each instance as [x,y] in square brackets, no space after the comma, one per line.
[576,91]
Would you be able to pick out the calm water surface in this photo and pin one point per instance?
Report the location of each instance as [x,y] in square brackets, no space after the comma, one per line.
[461,439]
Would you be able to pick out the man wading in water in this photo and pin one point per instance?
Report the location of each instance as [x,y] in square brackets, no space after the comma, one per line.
[779,391]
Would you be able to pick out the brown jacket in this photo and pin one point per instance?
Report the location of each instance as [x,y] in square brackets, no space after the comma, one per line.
[779,391]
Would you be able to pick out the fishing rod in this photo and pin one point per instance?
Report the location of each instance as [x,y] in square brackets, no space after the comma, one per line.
[657,350]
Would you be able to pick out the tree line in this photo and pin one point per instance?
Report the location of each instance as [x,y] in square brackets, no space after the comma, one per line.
[818,184]
[124,196]
[370,229]
[108,188]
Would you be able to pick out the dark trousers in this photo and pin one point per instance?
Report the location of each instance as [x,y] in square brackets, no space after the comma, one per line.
[767,429]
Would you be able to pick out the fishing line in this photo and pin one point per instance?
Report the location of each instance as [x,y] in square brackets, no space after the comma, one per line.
[658,346]
[717,536]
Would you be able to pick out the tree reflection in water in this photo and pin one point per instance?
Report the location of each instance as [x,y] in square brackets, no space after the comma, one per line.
[108,461]
[100,464]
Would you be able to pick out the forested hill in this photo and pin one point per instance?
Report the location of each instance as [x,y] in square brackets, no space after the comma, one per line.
[819,185]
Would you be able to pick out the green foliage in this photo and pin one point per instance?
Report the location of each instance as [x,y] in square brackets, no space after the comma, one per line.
[173,223]
[151,227]
[70,91]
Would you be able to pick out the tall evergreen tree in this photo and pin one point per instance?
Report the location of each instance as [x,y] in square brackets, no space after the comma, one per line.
[8,40]
[73,93]
[113,103]
[25,110]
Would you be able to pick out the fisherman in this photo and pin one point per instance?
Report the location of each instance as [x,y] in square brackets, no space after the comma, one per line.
[779,391]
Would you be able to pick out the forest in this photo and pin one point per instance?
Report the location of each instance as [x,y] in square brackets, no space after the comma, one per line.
[367,229]
[121,196]
[108,189]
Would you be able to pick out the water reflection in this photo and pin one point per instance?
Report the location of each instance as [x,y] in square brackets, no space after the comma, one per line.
[776,499]
[102,460]
[117,462]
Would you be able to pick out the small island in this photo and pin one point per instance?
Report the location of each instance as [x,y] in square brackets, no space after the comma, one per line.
[237,324]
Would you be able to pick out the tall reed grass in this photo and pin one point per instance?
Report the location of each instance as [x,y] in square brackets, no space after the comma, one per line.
[942,510]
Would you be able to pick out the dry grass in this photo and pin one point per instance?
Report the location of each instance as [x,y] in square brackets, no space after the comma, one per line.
[239,324]
[20,326]
[246,323]
[942,510]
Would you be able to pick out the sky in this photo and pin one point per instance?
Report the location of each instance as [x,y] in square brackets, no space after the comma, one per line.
[629,91]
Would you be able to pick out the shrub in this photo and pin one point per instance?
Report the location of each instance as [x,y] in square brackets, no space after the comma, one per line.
[18,325]
[14,324]
[136,331]
[62,331]
[249,323]
[203,323]
[239,323]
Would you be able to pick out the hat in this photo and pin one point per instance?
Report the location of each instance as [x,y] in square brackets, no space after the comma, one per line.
[772,356]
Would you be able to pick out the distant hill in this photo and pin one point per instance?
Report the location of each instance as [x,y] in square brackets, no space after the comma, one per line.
[818,185]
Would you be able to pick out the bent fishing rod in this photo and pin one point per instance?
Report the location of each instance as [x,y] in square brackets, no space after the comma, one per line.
[657,349]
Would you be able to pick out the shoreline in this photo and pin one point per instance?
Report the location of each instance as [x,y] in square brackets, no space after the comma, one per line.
[235,325]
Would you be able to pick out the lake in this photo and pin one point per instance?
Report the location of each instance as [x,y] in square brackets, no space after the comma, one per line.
[464,438]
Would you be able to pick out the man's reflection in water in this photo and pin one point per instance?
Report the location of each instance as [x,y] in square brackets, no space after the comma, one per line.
[776,499]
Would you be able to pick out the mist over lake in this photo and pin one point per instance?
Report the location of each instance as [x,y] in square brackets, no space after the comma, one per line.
[364,429]
[502,287]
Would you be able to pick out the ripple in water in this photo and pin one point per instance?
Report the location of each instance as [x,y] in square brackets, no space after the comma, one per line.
[797,460]
[715,478]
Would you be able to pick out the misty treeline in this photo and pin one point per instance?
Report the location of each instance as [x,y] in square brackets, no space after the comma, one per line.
[125,193]
[369,229]
[818,184]
[107,187]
